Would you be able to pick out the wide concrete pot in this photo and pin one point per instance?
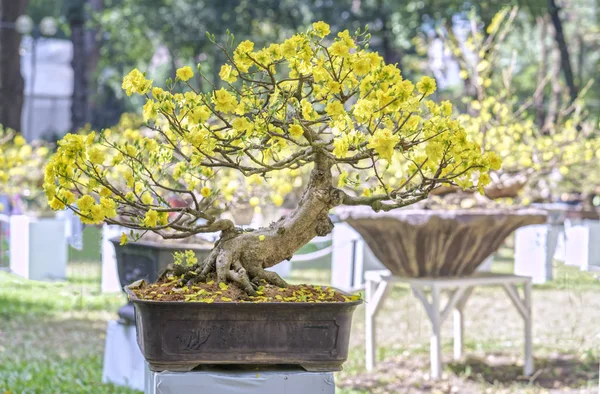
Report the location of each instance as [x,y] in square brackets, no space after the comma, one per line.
[434,243]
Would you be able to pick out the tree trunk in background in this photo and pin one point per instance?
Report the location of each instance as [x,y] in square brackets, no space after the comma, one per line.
[542,22]
[564,50]
[93,56]
[554,101]
[79,106]
[11,80]
[390,54]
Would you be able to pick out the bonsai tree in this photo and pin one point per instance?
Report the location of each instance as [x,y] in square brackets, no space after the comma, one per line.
[540,157]
[311,102]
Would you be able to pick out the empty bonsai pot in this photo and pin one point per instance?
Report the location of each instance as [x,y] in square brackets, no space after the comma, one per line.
[179,336]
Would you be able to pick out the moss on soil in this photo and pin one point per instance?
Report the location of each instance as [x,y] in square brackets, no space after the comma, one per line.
[213,291]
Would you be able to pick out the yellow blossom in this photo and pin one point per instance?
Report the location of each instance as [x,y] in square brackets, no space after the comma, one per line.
[426,86]
[383,142]
[224,101]
[151,218]
[184,73]
[296,130]
[321,28]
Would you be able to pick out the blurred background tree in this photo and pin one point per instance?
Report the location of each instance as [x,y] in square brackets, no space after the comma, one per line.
[558,39]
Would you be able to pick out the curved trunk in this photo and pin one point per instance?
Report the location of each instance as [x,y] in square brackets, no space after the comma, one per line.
[241,257]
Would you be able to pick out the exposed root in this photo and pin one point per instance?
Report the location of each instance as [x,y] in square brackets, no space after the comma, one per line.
[270,276]
[227,269]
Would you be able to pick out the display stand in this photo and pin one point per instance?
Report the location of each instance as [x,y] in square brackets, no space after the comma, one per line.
[582,249]
[351,257]
[460,288]
[110,277]
[38,247]
[238,381]
[535,248]
[124,364]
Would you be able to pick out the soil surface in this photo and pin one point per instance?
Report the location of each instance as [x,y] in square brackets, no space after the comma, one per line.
[213,291]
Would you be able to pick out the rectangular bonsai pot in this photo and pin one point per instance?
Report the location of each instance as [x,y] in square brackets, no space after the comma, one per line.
[179,336]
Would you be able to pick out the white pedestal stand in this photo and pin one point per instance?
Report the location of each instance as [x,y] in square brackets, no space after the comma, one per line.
[124,364]
[350,259]
[289,381]
[38,247]
[582,249]
[535,247]
[110,276]
[377,288]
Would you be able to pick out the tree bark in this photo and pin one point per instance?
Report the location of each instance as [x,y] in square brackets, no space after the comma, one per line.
[93,57]
[11,80]
[542,22]
[79,105]
[564,50]
[242,257]
[554,101]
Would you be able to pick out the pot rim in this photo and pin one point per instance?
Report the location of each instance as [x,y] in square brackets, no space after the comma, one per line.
[133,298]
[165,245]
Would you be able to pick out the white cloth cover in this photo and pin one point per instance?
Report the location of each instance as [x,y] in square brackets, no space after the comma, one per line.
[124,364]
[293,381]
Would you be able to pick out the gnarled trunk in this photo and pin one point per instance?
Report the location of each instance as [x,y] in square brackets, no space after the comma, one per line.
[241,257]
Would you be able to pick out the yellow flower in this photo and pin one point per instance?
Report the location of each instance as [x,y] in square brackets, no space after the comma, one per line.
[95,155]
[226,73]
[56,204]
[136,82]
[277,199]
[123,239]
[321,28]
[426,86]
[335,109]
[151,218]
[147,198]
[242,125]
[205,191]
[383,142]
[245,47]
[261,237]
[340,147]
[296,131]
[19,140]
[184,73]
[85,203]
[254,201]
[224,101]
[149,112]
[342,179]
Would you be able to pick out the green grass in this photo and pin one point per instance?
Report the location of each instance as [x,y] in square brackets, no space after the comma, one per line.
[52,337]
[52,334]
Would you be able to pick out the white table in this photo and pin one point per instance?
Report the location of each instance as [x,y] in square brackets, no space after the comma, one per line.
[378,285]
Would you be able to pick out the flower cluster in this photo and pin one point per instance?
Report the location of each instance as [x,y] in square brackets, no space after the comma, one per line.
[21,166]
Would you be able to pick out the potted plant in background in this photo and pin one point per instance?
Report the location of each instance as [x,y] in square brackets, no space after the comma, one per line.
[312,101]
[538,160]
[38,245]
